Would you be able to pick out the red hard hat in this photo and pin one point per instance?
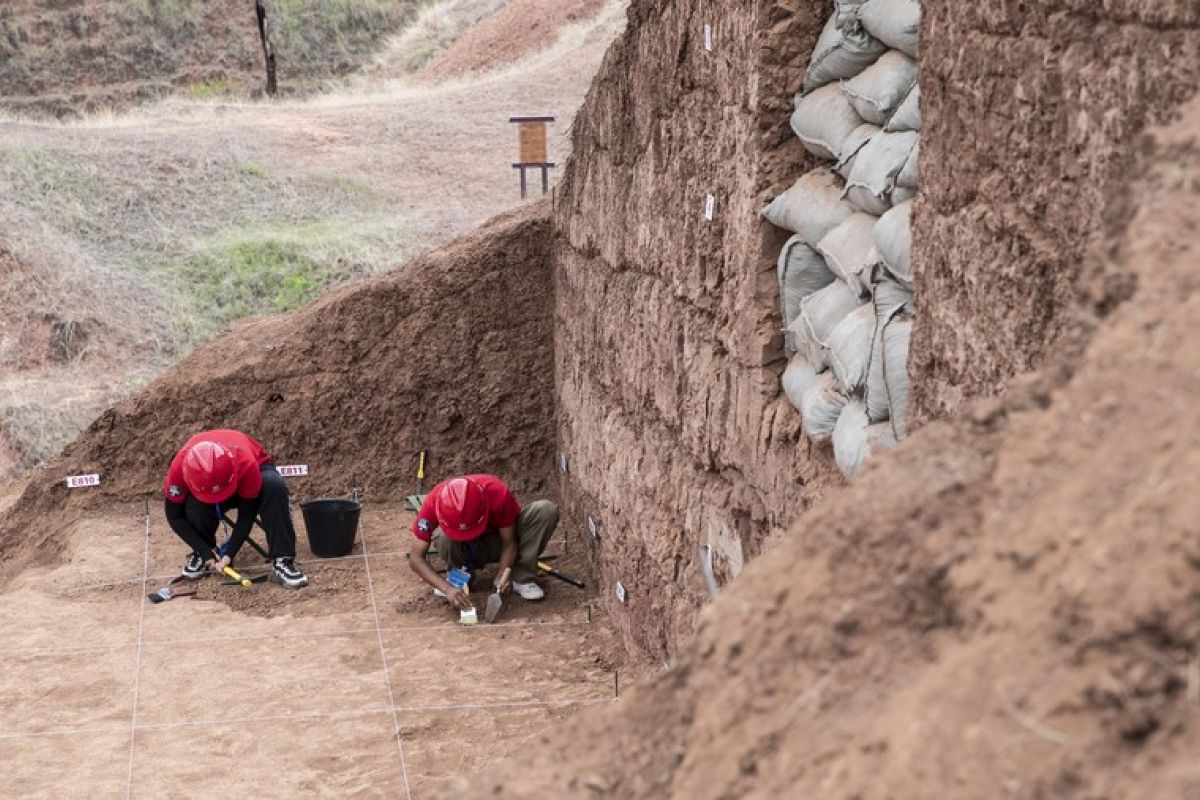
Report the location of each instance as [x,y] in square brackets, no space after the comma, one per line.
[209,472]
[462,509]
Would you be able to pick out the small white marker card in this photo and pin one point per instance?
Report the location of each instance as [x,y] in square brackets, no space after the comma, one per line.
[710,208]
[708,38]
[294,471]
[621,595]
[79,481]
[563,462]
[593,528]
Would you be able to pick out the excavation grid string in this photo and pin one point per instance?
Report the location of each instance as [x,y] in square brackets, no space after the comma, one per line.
[137,664]
[397,731]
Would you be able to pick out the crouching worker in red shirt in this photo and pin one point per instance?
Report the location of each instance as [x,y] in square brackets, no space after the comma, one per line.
[220,471]
[475,520]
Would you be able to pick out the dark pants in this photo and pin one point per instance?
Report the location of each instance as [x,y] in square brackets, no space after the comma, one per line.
[273,509]
[535,526]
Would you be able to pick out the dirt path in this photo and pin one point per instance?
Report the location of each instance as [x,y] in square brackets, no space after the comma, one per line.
[271,692]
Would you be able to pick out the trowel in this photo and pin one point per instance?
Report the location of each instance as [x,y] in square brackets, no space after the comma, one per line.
[495,602]
[169,593]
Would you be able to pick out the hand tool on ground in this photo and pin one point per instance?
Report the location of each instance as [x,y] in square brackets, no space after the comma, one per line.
[231,572]
[421,474]
[495,602]
[169,593]
[553,573]
[252,578]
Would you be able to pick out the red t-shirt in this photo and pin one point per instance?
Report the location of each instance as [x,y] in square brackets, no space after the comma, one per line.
[248,456]
[503,509]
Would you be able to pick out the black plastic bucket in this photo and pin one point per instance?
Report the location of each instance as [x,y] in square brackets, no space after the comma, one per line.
[331,526]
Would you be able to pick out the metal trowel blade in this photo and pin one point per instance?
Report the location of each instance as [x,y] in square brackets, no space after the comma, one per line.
[494,603]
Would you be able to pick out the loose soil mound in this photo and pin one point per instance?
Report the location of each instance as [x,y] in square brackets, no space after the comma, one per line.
[1005,606]
[450,353]
[520,28]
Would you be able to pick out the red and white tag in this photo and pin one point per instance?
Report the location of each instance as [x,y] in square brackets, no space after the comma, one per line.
[294,471]
[80,481]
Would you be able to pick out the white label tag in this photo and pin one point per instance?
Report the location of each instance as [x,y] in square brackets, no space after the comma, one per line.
[710,208]
[593,528]
[621,595]
[78,481]
[708,39]
[294,471]
[563,462]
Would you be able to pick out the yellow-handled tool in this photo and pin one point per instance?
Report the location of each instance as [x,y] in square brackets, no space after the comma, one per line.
[421,474]
[231,572]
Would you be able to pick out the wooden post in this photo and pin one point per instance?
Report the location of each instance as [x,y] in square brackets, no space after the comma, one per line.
[532,143]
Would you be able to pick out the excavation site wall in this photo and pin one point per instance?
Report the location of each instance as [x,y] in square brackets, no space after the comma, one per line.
[451,353]
[1032,112]
[668,346]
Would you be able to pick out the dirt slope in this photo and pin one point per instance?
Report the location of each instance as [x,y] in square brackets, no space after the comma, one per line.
[451,354]
[1006,607]
[1009,208]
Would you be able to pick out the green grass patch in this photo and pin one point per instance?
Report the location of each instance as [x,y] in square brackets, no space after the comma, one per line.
[220,86]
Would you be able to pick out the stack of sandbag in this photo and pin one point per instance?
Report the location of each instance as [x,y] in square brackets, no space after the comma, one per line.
[845,276]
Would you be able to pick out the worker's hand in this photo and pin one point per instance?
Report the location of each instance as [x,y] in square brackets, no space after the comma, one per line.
[458,598]
[218,566]
[504,585]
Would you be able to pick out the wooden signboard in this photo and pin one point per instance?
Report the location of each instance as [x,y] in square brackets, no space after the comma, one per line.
[532,141]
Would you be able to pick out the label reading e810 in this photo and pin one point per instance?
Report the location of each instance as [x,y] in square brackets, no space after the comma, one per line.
[78,481]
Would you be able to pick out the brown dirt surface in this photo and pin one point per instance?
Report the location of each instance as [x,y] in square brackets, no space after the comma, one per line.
[345,687]
[1014,193]
[520,28]
[452,349]
[1006,606]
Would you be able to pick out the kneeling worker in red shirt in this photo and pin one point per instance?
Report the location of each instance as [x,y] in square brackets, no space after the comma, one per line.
[219,471]
[475,520]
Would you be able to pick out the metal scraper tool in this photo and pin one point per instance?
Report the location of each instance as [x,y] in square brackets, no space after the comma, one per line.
[495,602]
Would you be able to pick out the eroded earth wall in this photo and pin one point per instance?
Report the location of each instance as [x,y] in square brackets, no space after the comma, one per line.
[450,353]
[1032,112]
[668,348]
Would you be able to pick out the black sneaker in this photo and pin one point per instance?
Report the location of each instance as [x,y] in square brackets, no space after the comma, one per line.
[194,568]
[287,573]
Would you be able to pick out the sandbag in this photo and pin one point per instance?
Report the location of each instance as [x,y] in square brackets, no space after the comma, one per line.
[887,376]
[802,271]
[893,242]
[821,311]
[889,296]
[797,379]
[798,341]
[907,116]
[824,120]
[811,208]
[845,14]
[850,347]
[876,166]
[821,406]
[855,142]
[897,23]
[909,174]
[902,195]
[840,54]
[849,251]
[855,439]
[879,89]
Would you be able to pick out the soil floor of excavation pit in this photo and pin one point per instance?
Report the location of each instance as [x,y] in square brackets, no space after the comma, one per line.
[272,690]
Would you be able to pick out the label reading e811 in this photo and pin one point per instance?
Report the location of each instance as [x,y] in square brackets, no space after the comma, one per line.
[78,481]
[294,471]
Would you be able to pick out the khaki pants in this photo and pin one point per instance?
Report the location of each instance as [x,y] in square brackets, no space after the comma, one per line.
[535,526]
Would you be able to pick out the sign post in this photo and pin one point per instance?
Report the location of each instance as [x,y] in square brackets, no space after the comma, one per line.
[534,152]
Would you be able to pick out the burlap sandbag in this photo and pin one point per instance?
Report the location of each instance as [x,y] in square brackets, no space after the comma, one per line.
[876,168]
[812,207]
[802,271]
[897,23]
[849,251]
[907,116]
[855,439]
[850,347]
[879,89]
[855,142]
[824,121]
[821,406]
[887,376]
[893,242]
[840,54]
[797,379]
[909,174]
